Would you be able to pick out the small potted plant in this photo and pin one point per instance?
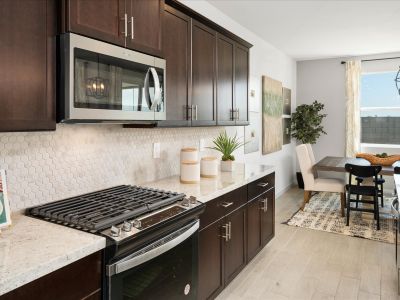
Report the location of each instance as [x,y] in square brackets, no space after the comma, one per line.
[226,145]
[306,127]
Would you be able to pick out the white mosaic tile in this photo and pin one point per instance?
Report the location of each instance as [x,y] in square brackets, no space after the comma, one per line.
[76,159]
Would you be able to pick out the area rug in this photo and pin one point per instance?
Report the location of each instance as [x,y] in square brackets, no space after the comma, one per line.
[323,213]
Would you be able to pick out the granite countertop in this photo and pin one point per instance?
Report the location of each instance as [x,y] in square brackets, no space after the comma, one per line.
[31,248]
[211,188]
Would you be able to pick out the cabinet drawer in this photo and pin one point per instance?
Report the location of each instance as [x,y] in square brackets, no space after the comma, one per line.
[221,206]
[260,186]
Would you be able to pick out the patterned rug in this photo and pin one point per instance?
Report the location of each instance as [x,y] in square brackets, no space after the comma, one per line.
[323,213]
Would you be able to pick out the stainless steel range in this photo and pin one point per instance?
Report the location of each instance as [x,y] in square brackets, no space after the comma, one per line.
[152,238]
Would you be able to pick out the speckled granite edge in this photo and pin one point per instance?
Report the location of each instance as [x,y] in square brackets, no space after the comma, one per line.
[32,248]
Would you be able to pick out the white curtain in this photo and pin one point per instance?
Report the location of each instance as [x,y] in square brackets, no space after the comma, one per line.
[353,121]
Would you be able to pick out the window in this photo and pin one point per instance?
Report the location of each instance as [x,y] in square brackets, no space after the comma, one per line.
[380,109]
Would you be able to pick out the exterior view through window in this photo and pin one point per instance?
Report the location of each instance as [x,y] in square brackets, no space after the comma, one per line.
[380,109]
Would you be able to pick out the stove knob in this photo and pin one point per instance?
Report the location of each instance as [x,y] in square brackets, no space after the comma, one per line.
[115,231]
[193,200]
[127,226]
[136,223]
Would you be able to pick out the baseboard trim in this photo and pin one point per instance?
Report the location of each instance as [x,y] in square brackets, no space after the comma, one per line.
[285,189]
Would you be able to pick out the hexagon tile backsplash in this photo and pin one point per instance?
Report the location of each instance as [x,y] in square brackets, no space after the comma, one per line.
[76,159]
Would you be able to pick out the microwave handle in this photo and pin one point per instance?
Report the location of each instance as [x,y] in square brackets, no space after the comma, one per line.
[153,250]
[152,103]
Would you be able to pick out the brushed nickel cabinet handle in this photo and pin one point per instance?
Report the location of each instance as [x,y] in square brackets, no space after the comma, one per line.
[226,236]
[189,112]
[226,204]
[125,19]
[264,208]
[230,230]
[132,28]
[263,184]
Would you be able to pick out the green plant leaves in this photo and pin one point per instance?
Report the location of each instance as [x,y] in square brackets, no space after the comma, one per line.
[306,122]
[226,145]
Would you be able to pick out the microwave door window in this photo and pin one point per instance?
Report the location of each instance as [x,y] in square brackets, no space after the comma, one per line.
[105,82]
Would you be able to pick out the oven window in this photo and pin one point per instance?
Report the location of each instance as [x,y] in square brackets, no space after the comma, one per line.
[110,83]
[172,275]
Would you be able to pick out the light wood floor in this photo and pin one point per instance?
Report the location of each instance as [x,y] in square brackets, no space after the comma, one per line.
[308,264]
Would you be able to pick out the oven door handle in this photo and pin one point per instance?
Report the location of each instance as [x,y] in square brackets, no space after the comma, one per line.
[153,250]
[395,205]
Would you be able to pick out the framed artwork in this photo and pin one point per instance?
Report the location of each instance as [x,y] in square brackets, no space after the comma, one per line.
[251,134]
[286,130]
[272,107]
[287,101]
[5,215]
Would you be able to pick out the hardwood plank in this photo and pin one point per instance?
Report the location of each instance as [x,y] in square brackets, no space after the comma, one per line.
[348,289]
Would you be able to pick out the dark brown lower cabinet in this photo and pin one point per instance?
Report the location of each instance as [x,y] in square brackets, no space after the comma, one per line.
[260,222]
[234,247]
[79,280]
[233,229]
[210,261]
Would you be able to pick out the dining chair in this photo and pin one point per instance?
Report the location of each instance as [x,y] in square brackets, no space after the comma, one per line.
[315,184]
[312,157]
[363,190]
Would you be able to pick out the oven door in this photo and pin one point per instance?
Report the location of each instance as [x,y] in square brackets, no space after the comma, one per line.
[165,269]
[105,83]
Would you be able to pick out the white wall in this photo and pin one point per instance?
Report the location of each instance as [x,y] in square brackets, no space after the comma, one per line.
[264,60]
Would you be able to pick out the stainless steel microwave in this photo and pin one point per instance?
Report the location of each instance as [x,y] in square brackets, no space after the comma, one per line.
[101,82]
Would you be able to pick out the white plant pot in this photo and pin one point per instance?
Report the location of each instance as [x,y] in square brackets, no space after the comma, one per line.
[227,166]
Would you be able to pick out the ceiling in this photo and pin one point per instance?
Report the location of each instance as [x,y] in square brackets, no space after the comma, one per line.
[320,28]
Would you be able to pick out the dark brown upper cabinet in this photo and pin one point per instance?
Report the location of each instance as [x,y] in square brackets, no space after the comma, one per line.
[203,96]
[135,24]
[177,51]
[27,59]
[98,19]
[225,80]
[145,25]
[241,86]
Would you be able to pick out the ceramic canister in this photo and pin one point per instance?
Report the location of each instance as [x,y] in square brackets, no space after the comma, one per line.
[190,171]
[189,154]
[209,167]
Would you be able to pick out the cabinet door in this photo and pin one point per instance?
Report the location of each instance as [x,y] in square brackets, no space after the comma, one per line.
[241,84]
[98,19]
[234,251]
[253,228]
[268,217]
[144,28]
[211,260]
[27,60]
[225,80]
[176,49]
[203,74]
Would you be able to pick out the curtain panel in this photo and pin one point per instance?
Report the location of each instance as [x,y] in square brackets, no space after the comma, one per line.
[353,120]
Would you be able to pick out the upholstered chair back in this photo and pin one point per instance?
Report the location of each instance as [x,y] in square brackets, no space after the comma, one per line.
[306,165]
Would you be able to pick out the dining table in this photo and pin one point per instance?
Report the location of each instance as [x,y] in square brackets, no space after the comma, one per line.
[336,164]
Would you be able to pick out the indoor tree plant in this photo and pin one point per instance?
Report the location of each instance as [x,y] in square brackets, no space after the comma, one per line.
[226,145]
[306,126]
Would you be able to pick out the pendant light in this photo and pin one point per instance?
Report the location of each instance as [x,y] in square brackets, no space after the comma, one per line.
[97,86]
[397,80]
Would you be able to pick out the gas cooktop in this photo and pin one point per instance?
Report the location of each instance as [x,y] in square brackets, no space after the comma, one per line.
[118,212]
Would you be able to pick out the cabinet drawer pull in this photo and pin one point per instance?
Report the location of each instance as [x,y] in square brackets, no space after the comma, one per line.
[229,230]
[226,204]
[263,184]
[132,28]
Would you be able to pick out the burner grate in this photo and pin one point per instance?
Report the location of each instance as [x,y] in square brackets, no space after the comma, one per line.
[99,210]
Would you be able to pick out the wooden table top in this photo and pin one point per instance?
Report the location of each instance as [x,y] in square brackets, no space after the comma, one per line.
[336,164]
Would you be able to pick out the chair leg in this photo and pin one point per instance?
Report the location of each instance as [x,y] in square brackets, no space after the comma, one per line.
[378,227]
[307,196]
[342,203]
[348,210]
[381,195]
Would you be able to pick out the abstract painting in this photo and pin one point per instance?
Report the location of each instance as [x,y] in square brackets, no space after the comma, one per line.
[251,133]
[272,107]
[286,130]
[287,101]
